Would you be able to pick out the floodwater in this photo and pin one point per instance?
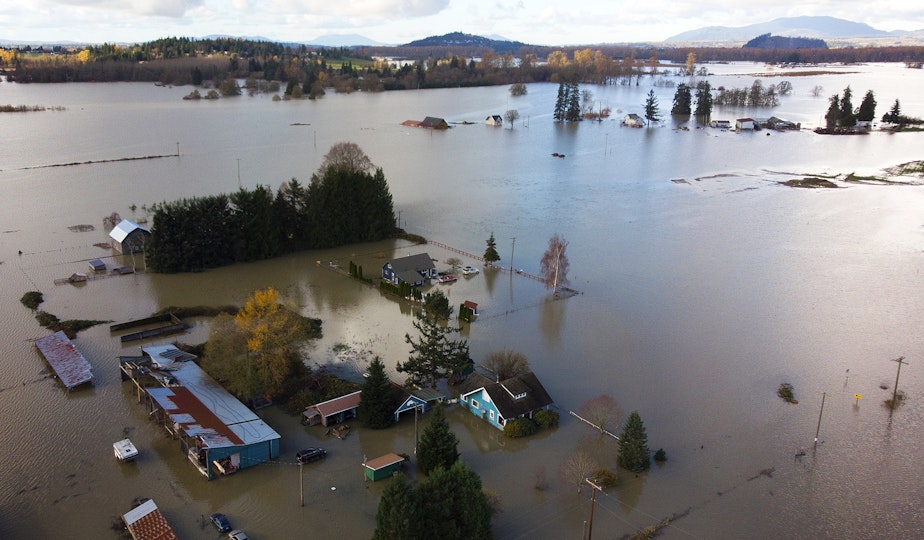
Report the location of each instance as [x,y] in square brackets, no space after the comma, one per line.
[704,285]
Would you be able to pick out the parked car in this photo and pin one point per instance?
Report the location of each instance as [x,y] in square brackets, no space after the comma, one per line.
[309,455]
[469,271]
[221,522]
[237,535]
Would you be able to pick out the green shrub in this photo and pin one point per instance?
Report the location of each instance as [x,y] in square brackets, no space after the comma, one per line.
[32,299]
[660,456]
[785,391]
[519,427]
[604,478]
[545,419]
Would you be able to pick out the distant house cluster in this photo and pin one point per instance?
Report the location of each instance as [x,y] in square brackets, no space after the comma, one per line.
[430,122]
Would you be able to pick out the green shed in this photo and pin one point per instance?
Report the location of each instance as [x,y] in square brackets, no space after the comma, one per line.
[382,467]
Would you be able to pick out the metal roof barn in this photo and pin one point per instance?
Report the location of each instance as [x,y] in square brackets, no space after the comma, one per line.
[64,358]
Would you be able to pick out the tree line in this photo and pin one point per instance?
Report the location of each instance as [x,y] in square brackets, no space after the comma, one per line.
[344,203]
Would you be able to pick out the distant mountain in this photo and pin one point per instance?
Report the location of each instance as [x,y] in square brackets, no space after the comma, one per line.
[458,39]
[343,40]
[767,41]
[813,27]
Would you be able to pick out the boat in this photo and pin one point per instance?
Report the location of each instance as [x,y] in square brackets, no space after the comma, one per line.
[124,450]
[447,278]
[469,271]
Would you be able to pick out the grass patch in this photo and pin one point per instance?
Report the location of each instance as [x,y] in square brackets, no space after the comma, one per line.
[32,300]
[912,168]
[812,182]
[899,401]
[70,327]
[197,311]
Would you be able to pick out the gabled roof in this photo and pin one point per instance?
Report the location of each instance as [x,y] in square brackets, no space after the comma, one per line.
[70,366]
[505,394]
[125,227]
[409,268]
[383,461]
[338,405]
[146,522]
[433,122]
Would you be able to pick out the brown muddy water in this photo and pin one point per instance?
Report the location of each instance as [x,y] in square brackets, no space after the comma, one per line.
[705,284]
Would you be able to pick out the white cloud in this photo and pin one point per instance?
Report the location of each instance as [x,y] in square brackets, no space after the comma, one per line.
[160,8]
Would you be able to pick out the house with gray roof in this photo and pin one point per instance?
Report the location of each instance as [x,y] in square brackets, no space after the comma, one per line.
[415,270]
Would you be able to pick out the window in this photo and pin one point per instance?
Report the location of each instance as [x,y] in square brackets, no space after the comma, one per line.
[491,415]
[474,404]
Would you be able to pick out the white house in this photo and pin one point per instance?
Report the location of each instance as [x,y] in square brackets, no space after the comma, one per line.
[633,120]
[494,120]
[744,123]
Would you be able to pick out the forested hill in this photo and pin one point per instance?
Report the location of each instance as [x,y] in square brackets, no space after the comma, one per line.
[767,41]
[458,39]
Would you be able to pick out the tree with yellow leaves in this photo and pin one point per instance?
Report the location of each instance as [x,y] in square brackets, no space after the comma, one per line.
[256,353]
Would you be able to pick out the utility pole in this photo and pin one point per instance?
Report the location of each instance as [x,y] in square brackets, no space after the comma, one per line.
[593,500]
[301,485]
[900,360]
[817,429]
[178,149]
[511,253]
[238,173]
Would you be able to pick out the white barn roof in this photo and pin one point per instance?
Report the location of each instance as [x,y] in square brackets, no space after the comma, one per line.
[125,227]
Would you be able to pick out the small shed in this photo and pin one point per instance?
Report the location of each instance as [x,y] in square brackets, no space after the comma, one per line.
[383,467]
[333,411]
[129,237]
[494,120]
[744,123]
[146,522]
[472,306]
[97,265]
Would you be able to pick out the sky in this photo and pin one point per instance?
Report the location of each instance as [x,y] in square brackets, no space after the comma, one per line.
[538,22]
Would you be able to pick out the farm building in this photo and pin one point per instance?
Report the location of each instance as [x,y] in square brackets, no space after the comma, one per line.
[499,402]
[69,365]
[415,270]
[382,467]
[218,433]
[333,411]
[129,237]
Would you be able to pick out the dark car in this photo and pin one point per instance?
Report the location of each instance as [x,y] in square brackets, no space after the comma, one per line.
[309,455]
[221,522]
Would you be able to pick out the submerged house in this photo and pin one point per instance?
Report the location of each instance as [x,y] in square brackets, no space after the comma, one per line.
[419,399]
[742,124]
[494,120]
[415,270]
[430,122]
[633,120]
[499,402]
[129,237]
[219,434]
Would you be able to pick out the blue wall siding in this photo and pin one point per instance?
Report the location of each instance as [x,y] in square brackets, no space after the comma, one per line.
[251,455]
[484,409]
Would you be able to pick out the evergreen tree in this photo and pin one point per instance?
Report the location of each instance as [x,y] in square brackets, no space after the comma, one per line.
[703,100]
[433,355]
[376,406]
[651,108]
[682,99]
[438,444]
[834,112]
[867,110]
[847,117]
[437,306]
[399,515]
[633,445]
[894,114]
[454,505]
[490,253]
[559,113]
[573,112]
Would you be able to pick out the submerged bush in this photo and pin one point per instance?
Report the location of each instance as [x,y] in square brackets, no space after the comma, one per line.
[32,300]
[519,427]
[545,419]
[785,391]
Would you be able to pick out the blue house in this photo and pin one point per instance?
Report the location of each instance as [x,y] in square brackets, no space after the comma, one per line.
[499,402]
[422,399]
[413,269]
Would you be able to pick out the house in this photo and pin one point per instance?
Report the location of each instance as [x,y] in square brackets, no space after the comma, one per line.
[499,402]
[494,120]
[422,399]
[433,122]
[97,265]
[720,124]
[333,411]
[633,120]
[129,237]
[382,467]
[146,522]
[219,434]
[779,124]
[415,270]
[744,123]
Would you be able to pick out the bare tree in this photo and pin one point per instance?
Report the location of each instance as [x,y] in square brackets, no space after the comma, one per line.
[817,90]
[511,116]
[602,411]
[454,262]
[348,156]
[506,363]
[578,466]
[553,267]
